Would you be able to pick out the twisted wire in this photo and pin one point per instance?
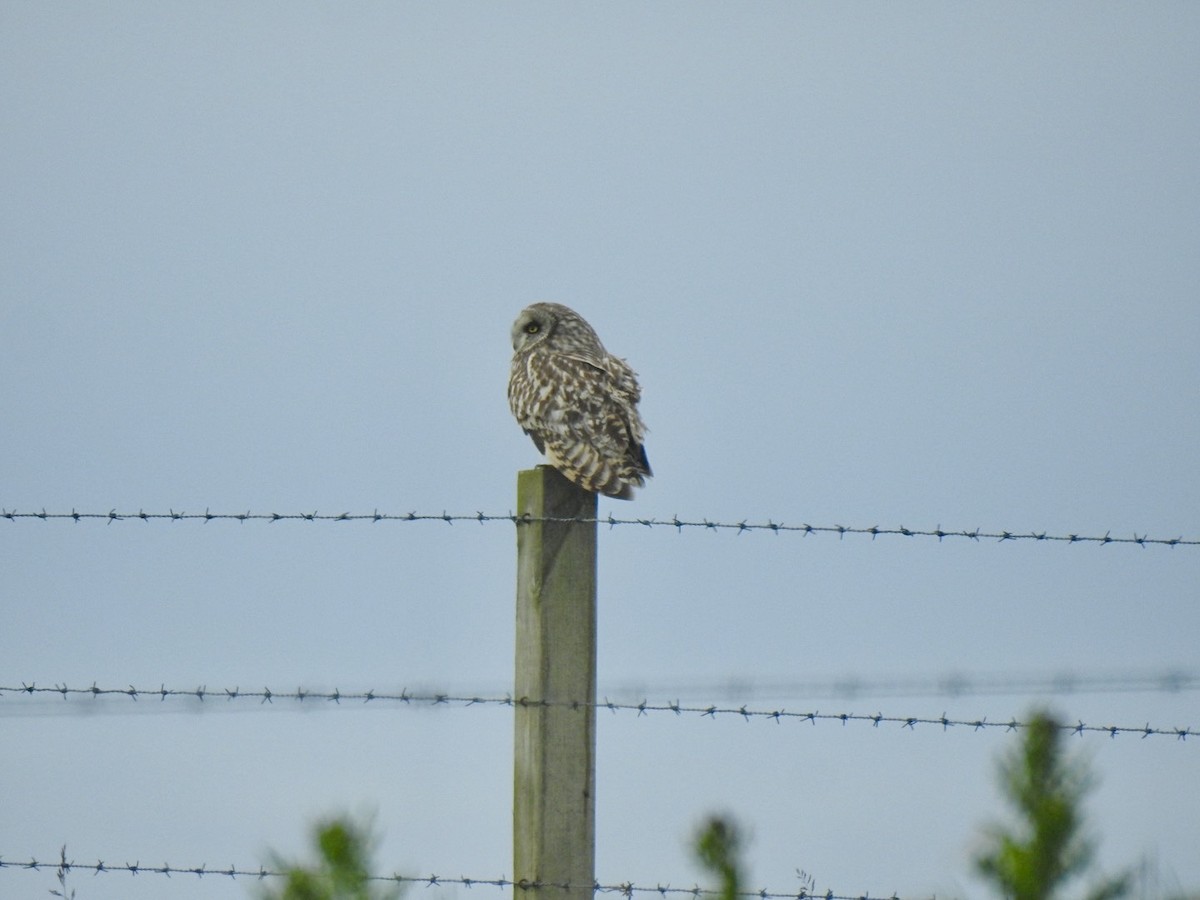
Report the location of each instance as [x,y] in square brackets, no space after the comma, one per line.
[977,534]
[627,889]
[953,684]
[643,708]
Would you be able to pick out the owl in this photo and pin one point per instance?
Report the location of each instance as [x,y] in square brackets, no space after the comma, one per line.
[577,401]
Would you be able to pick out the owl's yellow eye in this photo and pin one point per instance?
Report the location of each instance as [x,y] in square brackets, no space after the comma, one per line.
[533,328]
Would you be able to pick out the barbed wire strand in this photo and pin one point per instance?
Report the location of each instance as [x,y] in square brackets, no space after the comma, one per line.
[948,685]
[977,534]
[627,889]
[952,684]
[643,708]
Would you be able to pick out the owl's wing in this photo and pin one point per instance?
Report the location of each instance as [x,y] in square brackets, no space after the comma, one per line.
[537,440]
[615,410]
[588,362]
[625,378]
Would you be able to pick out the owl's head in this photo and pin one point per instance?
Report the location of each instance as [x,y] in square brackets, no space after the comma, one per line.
[553,325]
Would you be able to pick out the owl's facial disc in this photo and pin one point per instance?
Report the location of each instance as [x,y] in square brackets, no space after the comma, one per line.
[527,329]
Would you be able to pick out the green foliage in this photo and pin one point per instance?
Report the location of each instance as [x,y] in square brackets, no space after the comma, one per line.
[343,871]
[718,847]
[1048,847]
[61,874]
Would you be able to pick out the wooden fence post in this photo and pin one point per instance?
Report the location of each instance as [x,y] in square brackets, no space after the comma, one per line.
[554,779]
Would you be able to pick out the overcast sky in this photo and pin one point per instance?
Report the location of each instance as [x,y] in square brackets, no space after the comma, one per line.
[911,265]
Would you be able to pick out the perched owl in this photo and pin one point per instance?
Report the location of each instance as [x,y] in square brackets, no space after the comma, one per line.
[577,401]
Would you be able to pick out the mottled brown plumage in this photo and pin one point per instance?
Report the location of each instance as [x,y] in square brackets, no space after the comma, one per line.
[577,401]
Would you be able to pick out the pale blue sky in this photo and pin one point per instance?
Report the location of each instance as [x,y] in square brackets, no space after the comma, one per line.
[906,264]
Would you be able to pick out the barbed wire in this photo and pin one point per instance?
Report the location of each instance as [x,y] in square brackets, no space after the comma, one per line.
[627,889]
[953,684]
[977,534]
[743,689]
[203,694]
